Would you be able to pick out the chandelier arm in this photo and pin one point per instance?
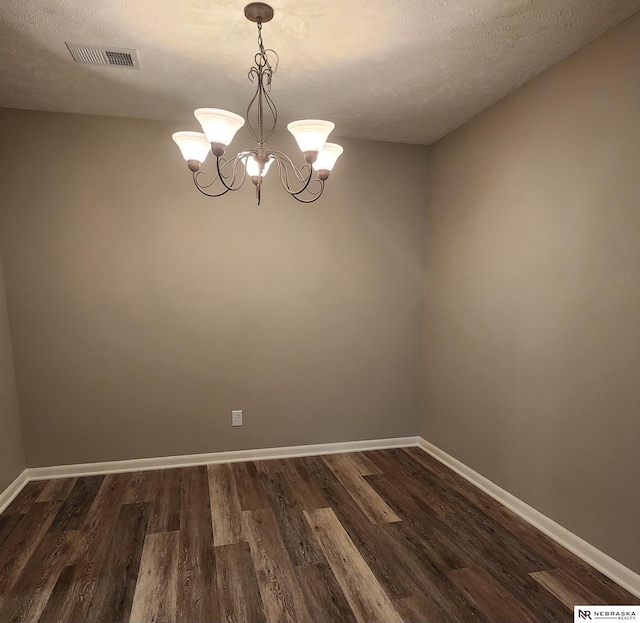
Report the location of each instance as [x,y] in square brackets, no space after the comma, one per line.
[201,188]
[283,160]
[304,178]
[315,195]
[198,173]
[235,163]
[221,164]
[284,177]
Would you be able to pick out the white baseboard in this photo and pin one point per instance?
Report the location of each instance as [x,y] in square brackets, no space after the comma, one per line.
[7,496]
[620,574]
[190,460]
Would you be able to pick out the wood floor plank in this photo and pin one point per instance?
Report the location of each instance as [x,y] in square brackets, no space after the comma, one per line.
[250,492]
[325,599]
[373,506]
[56,607]
[308,496]
[34,586]
[226,514]
[156,590]
[296,535]
[362,590]
[197,591]
[419,609]
[7,524]
[57,490]
[429,533]
[448,542]
[269,466]
[26,498]
[565,589]
[142,487]
[166,503]
[21,543]
[363,464]
[369,538]
[400,565]
[427,496]
[490,596]
[90,545]
[114,590]
[518,540]
[238,591]
[74,510]
[520,543]
[479,530]
[444,599]
[530,537]
[94,535]
[281,594]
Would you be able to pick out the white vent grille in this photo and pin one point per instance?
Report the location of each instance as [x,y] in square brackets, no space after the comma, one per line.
[102,55]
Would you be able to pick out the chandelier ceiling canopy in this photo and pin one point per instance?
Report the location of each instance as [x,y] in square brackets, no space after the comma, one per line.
[220,126]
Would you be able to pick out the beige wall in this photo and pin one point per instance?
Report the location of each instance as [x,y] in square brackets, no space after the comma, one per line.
[532,298]
[11,450]
[143,313]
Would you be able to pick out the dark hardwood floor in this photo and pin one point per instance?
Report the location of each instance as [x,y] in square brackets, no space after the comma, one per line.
[384,536]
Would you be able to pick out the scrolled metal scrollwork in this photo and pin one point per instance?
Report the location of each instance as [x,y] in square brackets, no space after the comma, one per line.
[232,175]
[262,72]
[304,176]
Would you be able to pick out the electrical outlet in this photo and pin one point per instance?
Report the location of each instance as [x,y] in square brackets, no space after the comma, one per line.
[236,417]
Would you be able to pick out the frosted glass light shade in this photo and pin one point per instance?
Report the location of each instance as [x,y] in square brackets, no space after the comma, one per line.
[311,134]
[193,145]
[327,157]
[219,126]
[253,168]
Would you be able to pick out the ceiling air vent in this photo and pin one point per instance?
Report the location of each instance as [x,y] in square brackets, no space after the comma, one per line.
[103,55]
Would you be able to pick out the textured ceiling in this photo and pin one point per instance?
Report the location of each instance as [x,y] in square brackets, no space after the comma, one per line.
[390,70]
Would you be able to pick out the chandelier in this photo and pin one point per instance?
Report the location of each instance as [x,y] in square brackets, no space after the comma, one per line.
[220,126]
